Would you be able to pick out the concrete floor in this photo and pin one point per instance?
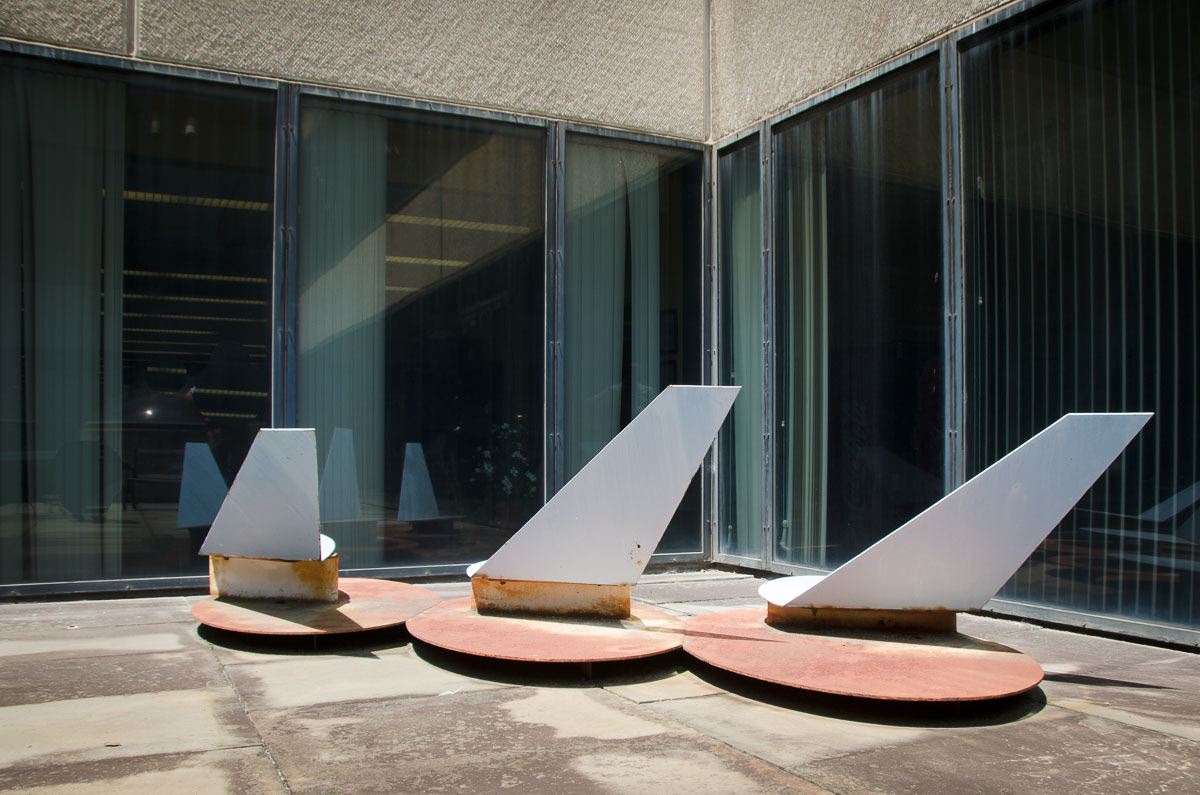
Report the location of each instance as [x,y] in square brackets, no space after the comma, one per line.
[125,695]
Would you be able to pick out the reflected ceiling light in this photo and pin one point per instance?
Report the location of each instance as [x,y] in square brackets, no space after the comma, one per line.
[189,127]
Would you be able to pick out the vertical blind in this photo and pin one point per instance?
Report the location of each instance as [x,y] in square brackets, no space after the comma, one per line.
[1080,177]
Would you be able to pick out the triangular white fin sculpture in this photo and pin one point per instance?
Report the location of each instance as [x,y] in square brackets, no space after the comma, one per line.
[603,525]
[272,508]
[417,500]
[958,553]
[339,496]
[202,488]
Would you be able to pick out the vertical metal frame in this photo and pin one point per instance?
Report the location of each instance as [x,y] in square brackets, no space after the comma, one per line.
[709,508]
[766,198]
[555,232]
[284,285]
[953,268]
[708,344]
[717,304]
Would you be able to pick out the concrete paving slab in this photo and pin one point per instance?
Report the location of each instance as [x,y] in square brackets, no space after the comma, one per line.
[530,739]
[99,641]
[694,576]
[714,605]
[34,679]
[236,770]
[324,680]
[697,590]
[1058,752]
[108,727]
[678,684]
[785,737]
[21,617]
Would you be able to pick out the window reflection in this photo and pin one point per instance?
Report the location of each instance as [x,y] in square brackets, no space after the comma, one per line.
[859,334]
[136,258]
[421,260]
[741,350]
[1081,241]
[633,296]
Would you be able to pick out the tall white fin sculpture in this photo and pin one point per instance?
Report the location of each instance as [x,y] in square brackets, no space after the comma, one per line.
[202,488]
[587,546]
[958,553]
[339,496]
[883,625]
[266,540]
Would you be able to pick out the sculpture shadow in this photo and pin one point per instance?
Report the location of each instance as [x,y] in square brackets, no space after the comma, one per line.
[350,644]
[959,714]
[553,674]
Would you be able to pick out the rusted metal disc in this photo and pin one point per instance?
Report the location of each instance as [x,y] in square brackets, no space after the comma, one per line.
[362,604]
[893,666]
[457,626]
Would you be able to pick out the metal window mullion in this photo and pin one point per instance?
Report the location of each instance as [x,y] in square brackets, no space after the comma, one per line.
[709,368]
[766,179]
[554,302]
[953,270]
[283,283]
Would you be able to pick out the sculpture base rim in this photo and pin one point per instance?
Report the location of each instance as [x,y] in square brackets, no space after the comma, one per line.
[363,605]
[455,625]
[867,664]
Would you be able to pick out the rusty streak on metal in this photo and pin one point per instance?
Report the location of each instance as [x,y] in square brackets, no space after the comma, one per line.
[937,621]
[549,598]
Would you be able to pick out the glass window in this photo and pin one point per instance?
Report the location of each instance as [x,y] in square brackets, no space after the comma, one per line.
[1080,167]
[741,351]
[421,329]
[633,296]
[135,259]
[858,221]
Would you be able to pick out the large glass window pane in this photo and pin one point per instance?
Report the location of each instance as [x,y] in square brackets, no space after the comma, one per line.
[421,262]
[1081,237]
[859,410]
[135,259]
[741,304]
[633,296]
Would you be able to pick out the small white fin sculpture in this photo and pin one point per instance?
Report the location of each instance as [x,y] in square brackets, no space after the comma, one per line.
[595,536]
[417,500]
[339,495]
[958,553]
[266,541]
[202,488]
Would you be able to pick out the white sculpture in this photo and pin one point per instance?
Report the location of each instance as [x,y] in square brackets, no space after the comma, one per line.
[202,488]
[339,496]
[417,500]
[958,553]
[266,540]
[589,544]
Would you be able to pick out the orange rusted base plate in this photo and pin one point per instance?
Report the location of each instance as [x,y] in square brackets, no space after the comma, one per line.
[893,666]
[362,604]
[457,626]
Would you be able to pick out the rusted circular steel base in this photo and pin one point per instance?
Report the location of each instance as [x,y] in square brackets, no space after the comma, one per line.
[457,626]
[363,604]
[893,666]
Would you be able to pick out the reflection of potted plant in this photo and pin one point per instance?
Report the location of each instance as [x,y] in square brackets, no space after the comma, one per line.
[504,468]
